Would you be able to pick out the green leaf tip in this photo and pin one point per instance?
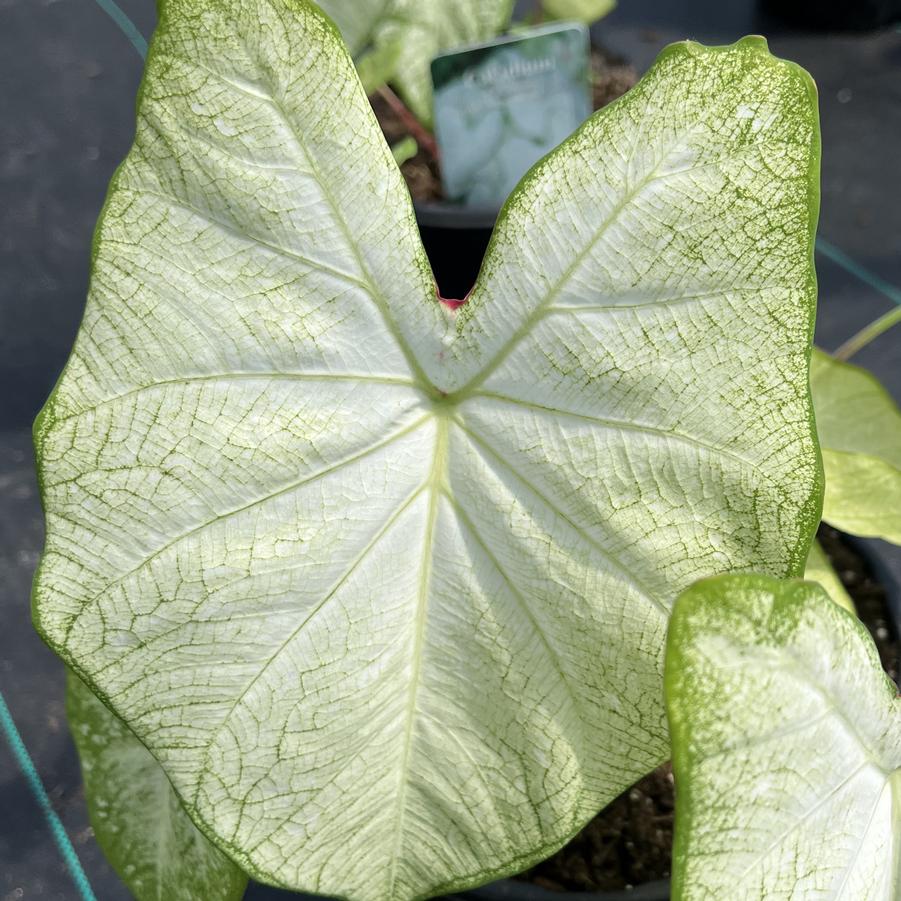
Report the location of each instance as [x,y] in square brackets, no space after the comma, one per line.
[587,11]
[786,739]
[310,532]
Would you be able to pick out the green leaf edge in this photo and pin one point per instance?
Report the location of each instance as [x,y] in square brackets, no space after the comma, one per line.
[810,516]
[786,594]
[609,6]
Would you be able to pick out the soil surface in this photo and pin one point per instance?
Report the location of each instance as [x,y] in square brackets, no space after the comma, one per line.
[869,597]
[611,77]
[630,842]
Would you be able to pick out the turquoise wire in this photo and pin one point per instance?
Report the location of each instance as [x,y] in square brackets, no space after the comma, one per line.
[8,725]
[840,258]
[126,25]
[20,752]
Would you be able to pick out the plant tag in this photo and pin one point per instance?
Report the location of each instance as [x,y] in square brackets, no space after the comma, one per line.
[502,105]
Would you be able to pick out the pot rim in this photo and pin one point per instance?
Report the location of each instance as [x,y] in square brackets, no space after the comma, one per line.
[440,214]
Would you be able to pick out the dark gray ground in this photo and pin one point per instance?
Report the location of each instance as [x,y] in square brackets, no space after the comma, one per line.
[68,78]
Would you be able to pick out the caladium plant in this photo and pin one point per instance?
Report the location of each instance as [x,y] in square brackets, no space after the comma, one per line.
[786,747]
[396,40]
[382,581]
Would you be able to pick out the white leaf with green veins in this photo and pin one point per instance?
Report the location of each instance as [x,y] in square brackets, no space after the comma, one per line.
[786,747]
[415,32]
[136,816]
[859,426]
[382,585]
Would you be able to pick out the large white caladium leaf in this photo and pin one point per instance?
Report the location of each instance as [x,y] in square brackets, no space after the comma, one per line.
[786,747]
[413,33]
[137,817]
[384,585]
[859,427]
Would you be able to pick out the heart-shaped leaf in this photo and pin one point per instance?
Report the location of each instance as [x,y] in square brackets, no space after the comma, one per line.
[384,585]
[412,33]
[859,427]
[137,817]
[786,747]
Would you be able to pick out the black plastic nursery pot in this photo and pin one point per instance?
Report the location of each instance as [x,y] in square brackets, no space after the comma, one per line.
[455,239]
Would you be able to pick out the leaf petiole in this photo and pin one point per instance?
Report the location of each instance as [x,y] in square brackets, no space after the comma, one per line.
[869,333]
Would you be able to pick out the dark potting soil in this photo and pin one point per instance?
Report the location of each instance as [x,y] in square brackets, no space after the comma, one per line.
[611,77]
[630,842]
[868,594]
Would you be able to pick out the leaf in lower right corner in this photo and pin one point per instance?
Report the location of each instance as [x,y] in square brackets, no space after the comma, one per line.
[137,817]
[786,747]
[859,426]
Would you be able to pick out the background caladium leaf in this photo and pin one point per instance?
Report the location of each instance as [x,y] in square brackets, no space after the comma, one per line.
[410,33]
[859,427]
[137,817]
[819,569]
[786,747]
[586,11]
[384,586]
[357,20]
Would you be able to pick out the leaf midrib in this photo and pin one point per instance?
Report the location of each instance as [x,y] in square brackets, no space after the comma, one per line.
[623,571]
[437,478]
[627,426]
